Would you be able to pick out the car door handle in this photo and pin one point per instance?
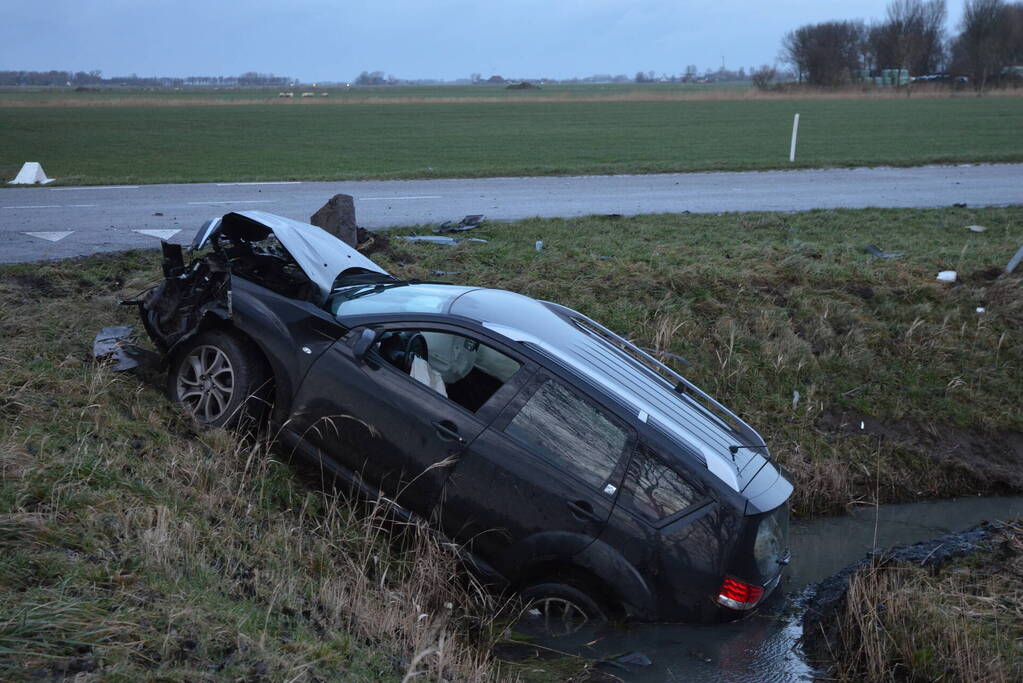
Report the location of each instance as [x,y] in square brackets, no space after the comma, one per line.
[447,430]
[582,510]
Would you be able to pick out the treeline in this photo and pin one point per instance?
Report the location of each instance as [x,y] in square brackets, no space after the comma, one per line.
[96,79]
[910,43]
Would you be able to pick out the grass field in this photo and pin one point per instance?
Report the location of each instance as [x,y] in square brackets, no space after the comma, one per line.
[421,139]
[16,96]
[133,546]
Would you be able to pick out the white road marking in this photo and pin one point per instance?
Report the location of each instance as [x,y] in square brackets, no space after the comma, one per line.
[80,206]
[100,187]
[50,236]
[240,201]
[274,182]
[35,206]
[160,234]
[370,199]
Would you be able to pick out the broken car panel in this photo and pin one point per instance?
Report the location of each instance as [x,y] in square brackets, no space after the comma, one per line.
[565,460]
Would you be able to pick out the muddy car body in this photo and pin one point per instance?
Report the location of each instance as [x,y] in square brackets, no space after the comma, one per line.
[564,460]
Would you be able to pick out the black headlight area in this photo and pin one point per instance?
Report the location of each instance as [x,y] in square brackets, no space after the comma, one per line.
[771,547]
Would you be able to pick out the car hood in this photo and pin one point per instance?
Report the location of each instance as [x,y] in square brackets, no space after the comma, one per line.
[320,255]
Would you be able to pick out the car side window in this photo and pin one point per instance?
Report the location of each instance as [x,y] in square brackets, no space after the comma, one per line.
[655,490]
[570,431]
[461,368]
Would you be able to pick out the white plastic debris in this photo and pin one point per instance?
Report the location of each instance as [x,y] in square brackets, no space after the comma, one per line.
[976,228]
[1014,261]
[981,309]
[947,276]
[795,399]
[31,173]
[539,245]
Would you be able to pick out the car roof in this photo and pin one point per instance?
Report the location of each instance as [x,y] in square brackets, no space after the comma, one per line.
[618,367]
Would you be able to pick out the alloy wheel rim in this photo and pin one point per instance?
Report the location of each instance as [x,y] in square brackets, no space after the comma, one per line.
[206,383]
[560,616]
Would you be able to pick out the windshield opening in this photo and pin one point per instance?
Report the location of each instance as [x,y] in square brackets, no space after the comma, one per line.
[394,297]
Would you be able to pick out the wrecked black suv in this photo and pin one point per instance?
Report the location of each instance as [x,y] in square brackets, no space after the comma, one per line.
[566,462]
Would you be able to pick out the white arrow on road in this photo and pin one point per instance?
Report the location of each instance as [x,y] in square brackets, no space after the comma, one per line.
[160,234]
[50,236]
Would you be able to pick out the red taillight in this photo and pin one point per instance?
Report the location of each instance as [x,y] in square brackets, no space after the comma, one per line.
[739,595]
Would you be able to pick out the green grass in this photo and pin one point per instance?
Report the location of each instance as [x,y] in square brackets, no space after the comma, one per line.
[296,141]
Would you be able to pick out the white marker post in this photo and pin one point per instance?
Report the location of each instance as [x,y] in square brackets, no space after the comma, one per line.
[795,131]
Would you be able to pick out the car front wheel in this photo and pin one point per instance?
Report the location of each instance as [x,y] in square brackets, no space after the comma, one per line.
[217,377]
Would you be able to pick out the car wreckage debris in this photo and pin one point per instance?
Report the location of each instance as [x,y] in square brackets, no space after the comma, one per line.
[470,222]
[874,251]
[118,345]
[437,239]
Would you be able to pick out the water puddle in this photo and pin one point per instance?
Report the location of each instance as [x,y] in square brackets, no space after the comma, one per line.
[764,647]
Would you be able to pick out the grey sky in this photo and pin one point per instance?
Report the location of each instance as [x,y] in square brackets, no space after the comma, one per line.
[335,39]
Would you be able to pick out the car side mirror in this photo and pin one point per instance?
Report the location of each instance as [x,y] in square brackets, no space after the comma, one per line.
[367,337]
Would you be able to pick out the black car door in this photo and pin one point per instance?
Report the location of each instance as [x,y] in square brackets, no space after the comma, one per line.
[396,432]
[540,482]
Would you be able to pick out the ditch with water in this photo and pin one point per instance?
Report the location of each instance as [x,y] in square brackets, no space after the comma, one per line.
[765,646]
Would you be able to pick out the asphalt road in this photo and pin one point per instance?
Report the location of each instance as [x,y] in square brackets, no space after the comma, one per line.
[57,222]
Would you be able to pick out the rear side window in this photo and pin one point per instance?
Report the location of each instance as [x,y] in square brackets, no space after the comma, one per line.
[655,490]
[570,431]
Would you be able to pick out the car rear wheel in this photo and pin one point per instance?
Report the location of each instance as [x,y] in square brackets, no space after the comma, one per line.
[560,608]
[217,377]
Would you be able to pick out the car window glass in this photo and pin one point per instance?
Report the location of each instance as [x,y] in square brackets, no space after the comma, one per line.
[458,367]
[653,489]
[570,431]
[418,298]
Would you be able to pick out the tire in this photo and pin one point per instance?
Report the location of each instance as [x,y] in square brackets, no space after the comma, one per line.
[218,377]
[560,608]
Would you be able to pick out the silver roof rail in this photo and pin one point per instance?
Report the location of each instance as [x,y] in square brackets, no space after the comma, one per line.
[744,429]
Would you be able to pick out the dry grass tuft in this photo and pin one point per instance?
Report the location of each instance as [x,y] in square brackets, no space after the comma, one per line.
[962,623]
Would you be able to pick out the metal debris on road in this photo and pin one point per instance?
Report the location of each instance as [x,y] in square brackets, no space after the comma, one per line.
[874,251]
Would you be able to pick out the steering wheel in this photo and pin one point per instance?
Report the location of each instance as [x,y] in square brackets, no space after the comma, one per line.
[401,348]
